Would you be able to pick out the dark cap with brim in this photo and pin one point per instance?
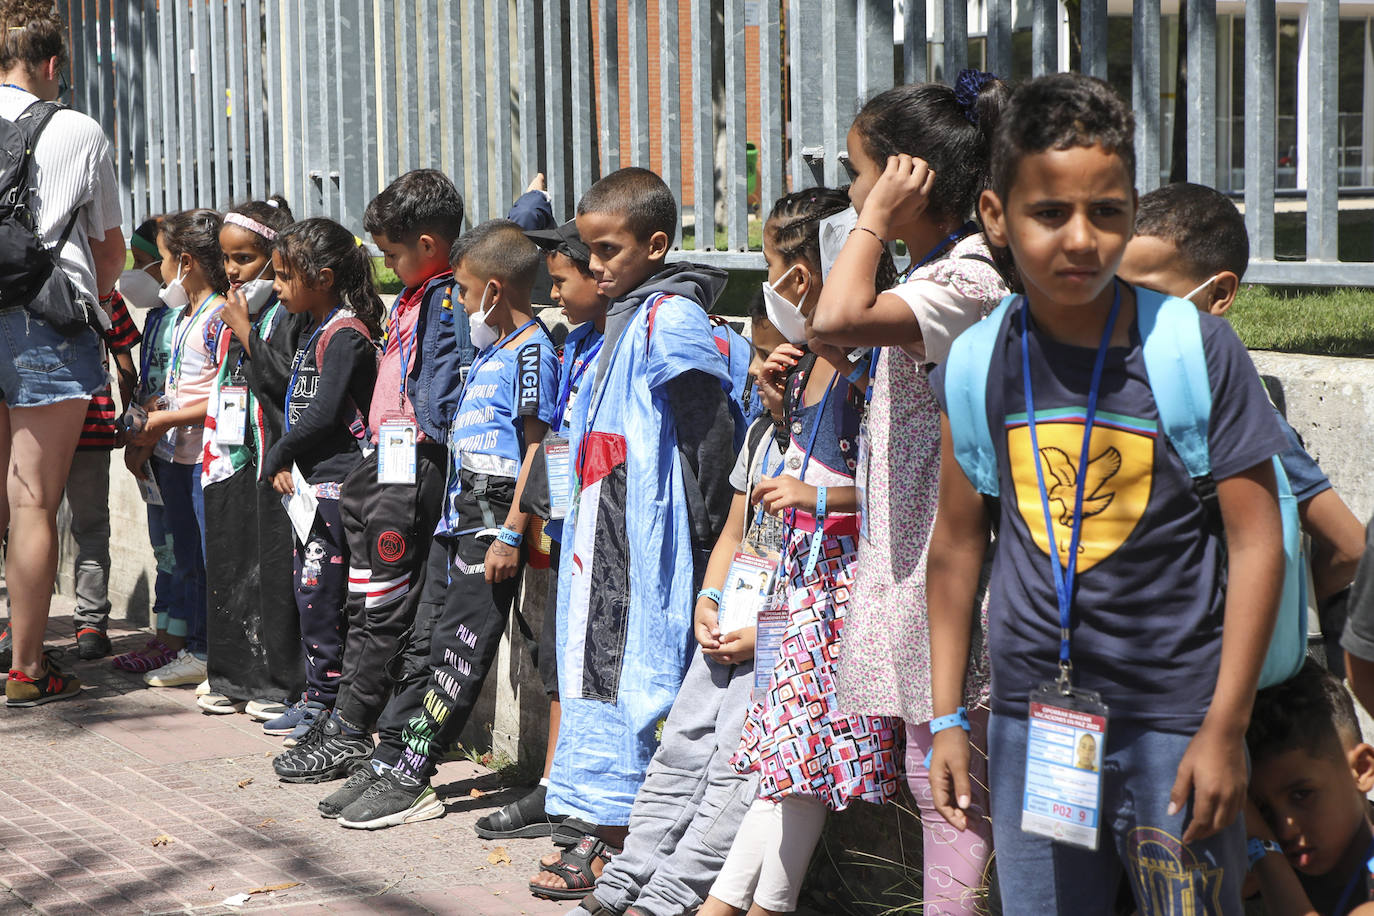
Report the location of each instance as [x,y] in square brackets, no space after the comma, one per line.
[563,239]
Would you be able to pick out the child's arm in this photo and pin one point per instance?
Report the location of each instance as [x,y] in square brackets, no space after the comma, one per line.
[323,415]
[503,560]
[1273,877]
[784,492]
[159,421]
[958,545]
[707,615]
[1337,541]
[1214,769]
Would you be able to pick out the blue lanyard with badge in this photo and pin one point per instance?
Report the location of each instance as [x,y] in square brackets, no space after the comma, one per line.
[557,448]
[482,359]
[1067,726]
[396,439]
[231,414]
[166,446]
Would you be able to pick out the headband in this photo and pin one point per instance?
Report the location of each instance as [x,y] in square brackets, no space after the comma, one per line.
[966,88]
[252,225]
[143,245]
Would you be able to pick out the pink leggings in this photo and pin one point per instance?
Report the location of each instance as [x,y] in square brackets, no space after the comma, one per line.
[954,860]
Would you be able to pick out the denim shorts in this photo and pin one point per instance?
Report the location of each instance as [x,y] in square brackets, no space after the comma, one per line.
[40,366]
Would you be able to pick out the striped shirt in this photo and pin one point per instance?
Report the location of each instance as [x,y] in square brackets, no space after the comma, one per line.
[98,432]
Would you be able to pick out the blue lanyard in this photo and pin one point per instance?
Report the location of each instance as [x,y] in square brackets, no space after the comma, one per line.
[1361,870]
[258,325]
[299,361]
[1065,573]
[485,356]
[179,343]
[810,445]
[574,377]
[394,327]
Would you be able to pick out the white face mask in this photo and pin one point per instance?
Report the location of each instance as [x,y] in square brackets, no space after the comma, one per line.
[786,317]
[482,334]
[1206,306]
[834,231]
[257,290]
[174,294]
[138,289]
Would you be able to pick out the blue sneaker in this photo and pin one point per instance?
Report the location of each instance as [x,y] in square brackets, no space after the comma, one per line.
[286,723]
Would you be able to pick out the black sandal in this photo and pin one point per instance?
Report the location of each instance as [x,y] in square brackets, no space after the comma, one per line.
[569,831]
[574,866]
[521,819]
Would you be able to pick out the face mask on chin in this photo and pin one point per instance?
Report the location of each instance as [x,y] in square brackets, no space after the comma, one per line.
[174,294]
[257,291]
[786,317]
[482,334]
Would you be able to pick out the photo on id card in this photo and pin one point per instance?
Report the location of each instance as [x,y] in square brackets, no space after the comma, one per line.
[1065,742]
[747,587]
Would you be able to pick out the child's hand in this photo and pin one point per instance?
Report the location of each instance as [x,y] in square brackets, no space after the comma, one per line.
[1255,824]
[784,492]
[949,780]
[235,314]
[281,482]
[152,430]
[899,196]
[706,626]
[735,648]
[502,562]
[1213,772]
[134,459]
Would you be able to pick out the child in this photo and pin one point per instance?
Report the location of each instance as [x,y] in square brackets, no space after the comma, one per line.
[253,633]
[193,269]
[692,802]
[322,270]
[1310,772]
[507,404]
[1162,642]
[1190,241]
[644,515]
[897,140]
[810,756]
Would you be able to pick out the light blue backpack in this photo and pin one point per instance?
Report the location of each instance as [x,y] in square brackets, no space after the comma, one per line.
[1177,370]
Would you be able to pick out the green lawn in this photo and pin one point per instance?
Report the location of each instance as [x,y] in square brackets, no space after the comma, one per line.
[1326,322]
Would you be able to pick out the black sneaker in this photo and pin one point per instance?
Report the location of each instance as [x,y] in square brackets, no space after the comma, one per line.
[325,753]
[352,789]
[522,818]
[6,649]
[91,644]
[391,801]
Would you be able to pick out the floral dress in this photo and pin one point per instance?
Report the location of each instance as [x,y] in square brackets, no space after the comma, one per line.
[796,737]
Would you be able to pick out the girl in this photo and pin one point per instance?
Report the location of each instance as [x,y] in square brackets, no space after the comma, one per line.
[322,271]
[919,158]
[193,269]
[253,635]
[811,756]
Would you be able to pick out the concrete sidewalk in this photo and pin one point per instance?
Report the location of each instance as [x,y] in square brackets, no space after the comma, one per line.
[129,799]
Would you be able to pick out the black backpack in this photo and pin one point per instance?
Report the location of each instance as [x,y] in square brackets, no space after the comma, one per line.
[29,274]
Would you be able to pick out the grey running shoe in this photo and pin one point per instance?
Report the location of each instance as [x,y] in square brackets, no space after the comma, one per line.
[352,789]
[391,801]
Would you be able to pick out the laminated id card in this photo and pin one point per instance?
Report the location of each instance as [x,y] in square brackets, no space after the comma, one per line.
[147,486]
[747,587]
[1064,748]
[770,629]
[231,422]
[558,461]
[396,452]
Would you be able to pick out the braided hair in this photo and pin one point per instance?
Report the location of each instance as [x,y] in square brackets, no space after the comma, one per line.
[794,226]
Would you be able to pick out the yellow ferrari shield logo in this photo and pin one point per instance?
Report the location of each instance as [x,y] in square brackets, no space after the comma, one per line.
[1116,488]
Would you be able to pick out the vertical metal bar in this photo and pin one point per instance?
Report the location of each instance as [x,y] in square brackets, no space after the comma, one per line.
[915,63]
[1093,17]
[90,32]
[475,76]
[999,36]
[1261,55]
[169,135]
[254,111]
[1145,92]
[703,130]
[501,135]
[388,138]
[608,81]
[408,104]
[637,25]
[582,112]
[955,38]
[125,75]
[1045,37]
[838,82]
[803,46]
[362,177]
[143,112]
[736,165]
[105,17]
[531,92]
[455,112]
[219,121]
[874,47]
[297,138]
[556,166]
[206,107]
[1323,146]
[325,102]
[431,102]
[81,71]
[276,107]
[186,104]
[670,101]
[306,148]
[1202,92]
[771,168]
[237,99]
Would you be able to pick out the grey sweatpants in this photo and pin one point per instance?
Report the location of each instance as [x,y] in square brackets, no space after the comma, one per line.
[691,803]
[88,497]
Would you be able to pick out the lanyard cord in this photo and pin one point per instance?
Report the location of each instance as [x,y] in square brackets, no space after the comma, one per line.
[1360,871]
[1065,573]
[574,377]
[258,325]
[179,344]
[485,356]
[811,443]
[299,361]
[394,327]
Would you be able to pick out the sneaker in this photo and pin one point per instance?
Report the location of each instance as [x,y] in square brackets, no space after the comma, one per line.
[22,691]
[390,801]
[6,649]
[264,710]
[327,753]
[352,789]
[301,732]
[91,644]
[217,704]
[522,818]
[285,723]
[203,688]
[183,670]
[154,654]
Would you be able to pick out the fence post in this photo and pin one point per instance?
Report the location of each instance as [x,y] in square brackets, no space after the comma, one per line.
[1261,51]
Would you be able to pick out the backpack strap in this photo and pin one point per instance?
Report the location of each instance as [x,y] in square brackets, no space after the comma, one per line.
[1171,344]
[32,121]
[966,389]
[358,426]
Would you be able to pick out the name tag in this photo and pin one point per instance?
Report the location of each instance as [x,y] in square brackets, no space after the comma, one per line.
[769,631]
[396,453]
[231,421]
[558,462]
[748,584]
[1065,742]
[147,486]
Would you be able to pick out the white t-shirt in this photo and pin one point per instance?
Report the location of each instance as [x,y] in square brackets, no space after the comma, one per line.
[950,295]
[73,171]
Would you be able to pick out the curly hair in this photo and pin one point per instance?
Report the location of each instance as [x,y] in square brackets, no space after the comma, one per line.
[31,32]
[1311,711]
[312,245]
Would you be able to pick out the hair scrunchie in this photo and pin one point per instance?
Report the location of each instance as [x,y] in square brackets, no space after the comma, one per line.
[967,85]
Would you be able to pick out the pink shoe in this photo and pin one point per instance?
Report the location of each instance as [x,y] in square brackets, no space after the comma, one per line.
[153,655]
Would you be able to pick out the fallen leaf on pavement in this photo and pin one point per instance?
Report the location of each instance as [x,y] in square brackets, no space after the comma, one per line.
[274,887]
[499,856]
[476,793]
[244,783]
[267,823]
[161,839]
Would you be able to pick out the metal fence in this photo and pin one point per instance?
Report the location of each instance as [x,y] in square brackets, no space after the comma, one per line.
[211,102]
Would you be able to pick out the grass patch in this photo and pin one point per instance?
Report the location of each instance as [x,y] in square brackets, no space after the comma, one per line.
[1324,322]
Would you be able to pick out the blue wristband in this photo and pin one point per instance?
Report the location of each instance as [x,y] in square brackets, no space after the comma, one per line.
[1257,849]
[713,593]
[509,537]
[940,723]
[818,535]
[859,372]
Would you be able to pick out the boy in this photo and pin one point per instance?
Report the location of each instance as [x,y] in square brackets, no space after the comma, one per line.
[1190,242]
[390,505]
[652,492]
[506,406]
[1157,632]
[1310,772]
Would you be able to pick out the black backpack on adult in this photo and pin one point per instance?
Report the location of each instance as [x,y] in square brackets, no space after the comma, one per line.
[30,277]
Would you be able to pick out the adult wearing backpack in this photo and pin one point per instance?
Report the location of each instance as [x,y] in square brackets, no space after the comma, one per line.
[49,367]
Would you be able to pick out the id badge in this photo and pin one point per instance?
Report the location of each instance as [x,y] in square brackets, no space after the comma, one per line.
[231,422]
[166,448]
[558,461]
[396,452]
[747,587]
[861,479]
[769,630]
[147,486]
[1065,742]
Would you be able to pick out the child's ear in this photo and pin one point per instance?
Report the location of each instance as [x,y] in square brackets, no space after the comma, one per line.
[1361,758]
[658,246]
[427,244]
[498,289]
[994,226]
[1224,289]
[325,280]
